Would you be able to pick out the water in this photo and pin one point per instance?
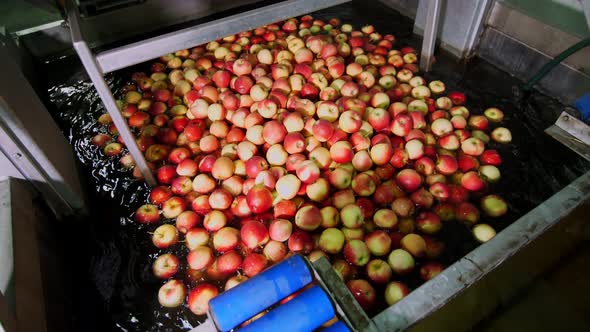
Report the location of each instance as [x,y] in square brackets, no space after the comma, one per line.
[112,287]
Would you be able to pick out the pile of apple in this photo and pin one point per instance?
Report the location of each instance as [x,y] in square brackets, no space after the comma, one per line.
[304,137]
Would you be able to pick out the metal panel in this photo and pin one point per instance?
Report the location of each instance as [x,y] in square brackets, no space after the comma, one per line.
[151,48]
[536,34]
[522,61]
[461,24]
[437,292]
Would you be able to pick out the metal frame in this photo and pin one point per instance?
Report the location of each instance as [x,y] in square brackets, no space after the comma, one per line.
[151,48]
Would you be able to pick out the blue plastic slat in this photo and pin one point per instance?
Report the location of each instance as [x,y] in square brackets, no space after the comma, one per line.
[240,303]
[304,313]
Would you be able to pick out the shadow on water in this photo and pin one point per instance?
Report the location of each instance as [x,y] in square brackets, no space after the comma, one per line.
[112,285]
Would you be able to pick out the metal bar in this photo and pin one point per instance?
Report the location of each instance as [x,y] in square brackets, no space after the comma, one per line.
[110,104]
[37,28]
[106,95]
[574,127]
[430,33]
[151,48]
[484,259]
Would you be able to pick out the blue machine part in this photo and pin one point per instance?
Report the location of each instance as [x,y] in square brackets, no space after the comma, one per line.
[339,326]
[247,299]
[583,106]
[304,313]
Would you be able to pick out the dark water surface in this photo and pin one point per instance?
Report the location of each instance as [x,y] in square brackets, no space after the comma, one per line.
[112,285]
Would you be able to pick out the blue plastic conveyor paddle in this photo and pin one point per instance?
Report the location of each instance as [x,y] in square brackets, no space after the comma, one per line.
[304,313]
[242,302]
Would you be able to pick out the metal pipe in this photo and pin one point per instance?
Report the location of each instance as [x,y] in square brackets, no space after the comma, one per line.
[151,48]
[96,75]
[430,33]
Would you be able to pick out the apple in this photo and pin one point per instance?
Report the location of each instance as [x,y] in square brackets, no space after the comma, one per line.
[229,262]
[300,242]
[172,294]
[395,291]
[408,180]
[214,220]
[253,264]
[493,206]
[428,222]
[225,239]
[363,184]
[165,266]
[308,171]
[318,190]
[200,258]
[280,230]
[199,297]
[379,271]
[308,218]
[381,153]
[467,213]
[356,252]
[490,157]
[173,207]
[473,146]
[351,216]
[341,152]
[472,181]
[234,281]
[147,214]
[483,232]
[403,207]
[275,251]
[196,237]
[502,135]
[350,122]
[378,242]
[400,261]
[362,292]
[331,240]
[494,114]
[165,236]
[414,244]
[254,234]
[259,199]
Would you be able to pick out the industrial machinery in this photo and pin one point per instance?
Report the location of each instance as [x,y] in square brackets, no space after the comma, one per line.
[47,191]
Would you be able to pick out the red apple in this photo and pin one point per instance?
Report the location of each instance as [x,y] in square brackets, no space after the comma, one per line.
[363,292]
[199,297]
[379,271]
[165,266]
[172,294]
[253,264]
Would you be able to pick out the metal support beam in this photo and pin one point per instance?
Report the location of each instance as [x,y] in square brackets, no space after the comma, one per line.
[430,33]
[96,75]
[151,48]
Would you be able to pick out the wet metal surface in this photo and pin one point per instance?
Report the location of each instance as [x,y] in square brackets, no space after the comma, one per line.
[112,285]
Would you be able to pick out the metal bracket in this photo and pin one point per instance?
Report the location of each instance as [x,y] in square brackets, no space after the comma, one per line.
[572,133]
[430,33]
